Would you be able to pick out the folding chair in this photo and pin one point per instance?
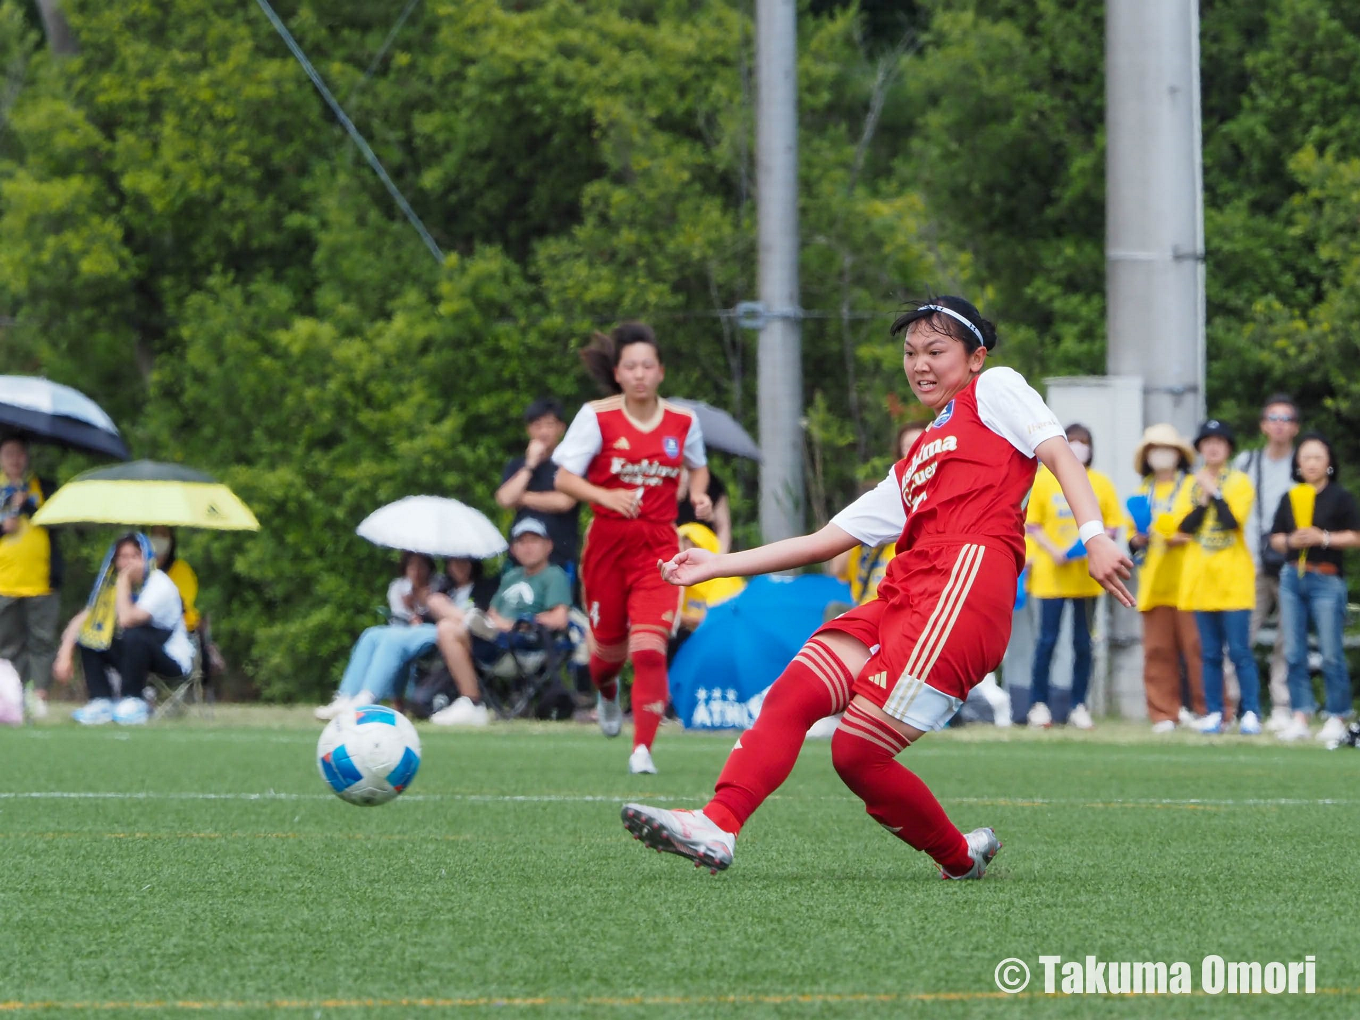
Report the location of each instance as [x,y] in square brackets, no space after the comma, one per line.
[534,657]
[177,695]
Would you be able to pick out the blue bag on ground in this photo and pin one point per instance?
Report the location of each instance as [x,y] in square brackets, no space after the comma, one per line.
[720,675]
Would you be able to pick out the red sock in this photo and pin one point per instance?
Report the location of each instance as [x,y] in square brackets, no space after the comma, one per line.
[863,750]
[647,649]
[814,685]
[604,672]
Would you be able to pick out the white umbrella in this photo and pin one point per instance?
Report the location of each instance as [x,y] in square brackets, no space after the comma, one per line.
[434,525]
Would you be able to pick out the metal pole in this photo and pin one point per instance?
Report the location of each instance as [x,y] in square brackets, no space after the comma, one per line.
[1154,205]
[780,370]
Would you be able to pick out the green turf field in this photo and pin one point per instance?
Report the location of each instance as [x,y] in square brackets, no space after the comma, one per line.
[202,868]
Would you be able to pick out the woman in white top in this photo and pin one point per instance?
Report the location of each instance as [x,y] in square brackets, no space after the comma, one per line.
[133,623]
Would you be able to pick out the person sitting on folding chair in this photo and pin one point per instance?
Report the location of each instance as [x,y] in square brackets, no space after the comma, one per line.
[133,622]
[536,591]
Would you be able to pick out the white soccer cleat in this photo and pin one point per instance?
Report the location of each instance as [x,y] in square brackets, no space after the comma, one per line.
[1333,730]
[982,847]
[1250,726]
[688,834]
[340,703]
[640,762]
[1080,718]
[610,714]
[1039,716]
[462,712]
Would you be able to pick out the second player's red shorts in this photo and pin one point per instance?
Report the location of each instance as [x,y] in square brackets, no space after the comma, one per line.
[621,585]
[936,636]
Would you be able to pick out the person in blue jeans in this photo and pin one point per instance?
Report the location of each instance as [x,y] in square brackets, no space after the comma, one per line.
[1314,522]
[376,662]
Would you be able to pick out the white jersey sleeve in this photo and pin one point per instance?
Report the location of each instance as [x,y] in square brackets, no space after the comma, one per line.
[695,454]
[581,443]
[876,517]
[1012,409]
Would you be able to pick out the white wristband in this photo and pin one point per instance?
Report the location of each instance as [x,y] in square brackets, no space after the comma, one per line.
[1090,530]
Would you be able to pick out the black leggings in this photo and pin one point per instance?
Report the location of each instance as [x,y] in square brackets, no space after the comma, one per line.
[135,653]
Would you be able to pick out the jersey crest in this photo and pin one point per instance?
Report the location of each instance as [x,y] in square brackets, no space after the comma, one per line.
[942,419]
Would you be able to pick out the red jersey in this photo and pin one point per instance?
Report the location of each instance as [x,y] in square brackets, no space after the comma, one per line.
[608,447]
[967,477]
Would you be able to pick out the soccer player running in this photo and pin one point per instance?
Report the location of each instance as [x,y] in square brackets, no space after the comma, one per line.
[623,456]
[901,665]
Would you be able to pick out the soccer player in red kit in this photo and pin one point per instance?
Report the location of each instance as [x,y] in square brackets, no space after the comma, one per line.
[901,665]
[623,455]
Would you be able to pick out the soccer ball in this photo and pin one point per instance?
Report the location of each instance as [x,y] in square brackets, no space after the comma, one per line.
[368,755]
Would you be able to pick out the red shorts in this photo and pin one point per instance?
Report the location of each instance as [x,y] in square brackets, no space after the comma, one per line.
[621,586]
[939,634]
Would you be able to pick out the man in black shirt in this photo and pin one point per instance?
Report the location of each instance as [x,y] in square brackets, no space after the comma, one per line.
[527,483]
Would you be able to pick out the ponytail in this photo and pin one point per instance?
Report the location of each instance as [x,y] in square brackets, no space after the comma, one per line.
[601,355]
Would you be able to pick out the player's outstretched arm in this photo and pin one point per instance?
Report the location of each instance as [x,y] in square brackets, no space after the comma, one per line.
[694,565]
[1105,561]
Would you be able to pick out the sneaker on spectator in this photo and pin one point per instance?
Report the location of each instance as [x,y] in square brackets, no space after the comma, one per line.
[461,713]
[1039,716]
[131,712]
[1080,718]
[1297,729]
[1186,717]
[1334,729]
[1211,723]
[1280,719]
[35,705]
[95,712]
[479,626]
[1250,725]
[339,703]
[1164,726]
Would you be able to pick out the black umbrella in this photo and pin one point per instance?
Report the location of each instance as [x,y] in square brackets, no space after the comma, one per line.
[721,431]
[48,412]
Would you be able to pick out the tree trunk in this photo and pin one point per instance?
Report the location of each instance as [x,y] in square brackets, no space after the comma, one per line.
[59,35]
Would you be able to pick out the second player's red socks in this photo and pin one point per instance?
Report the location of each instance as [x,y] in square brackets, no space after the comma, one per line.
[814,685]
[863,752]
[605,676]
[649,694]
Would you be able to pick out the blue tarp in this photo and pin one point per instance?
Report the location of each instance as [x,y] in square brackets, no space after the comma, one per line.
[720,675]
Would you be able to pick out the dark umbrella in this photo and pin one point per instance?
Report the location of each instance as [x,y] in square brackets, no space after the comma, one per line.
[721,430]
[48,412]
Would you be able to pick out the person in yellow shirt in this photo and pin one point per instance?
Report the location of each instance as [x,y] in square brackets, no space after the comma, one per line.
[166,547]
[1218,577]
[701,597]
[1058,575]
[1163,460]
[30,576]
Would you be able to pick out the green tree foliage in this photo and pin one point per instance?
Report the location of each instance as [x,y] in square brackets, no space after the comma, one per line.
[188,235]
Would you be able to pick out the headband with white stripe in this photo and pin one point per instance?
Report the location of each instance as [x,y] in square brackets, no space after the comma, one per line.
[955,315]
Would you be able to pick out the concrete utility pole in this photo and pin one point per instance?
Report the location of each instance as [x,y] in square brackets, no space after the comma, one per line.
[1155,206]
[780,352]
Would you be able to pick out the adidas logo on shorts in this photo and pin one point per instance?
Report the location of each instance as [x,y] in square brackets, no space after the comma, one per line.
[880,679]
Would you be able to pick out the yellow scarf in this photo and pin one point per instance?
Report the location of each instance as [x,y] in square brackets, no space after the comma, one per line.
[101,623]
[1302,498]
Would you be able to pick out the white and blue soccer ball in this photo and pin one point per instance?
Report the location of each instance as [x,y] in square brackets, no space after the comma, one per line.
[368,755]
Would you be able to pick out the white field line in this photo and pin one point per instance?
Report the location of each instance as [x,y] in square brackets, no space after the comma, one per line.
[583,798]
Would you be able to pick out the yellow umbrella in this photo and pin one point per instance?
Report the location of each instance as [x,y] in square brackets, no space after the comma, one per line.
[146,493]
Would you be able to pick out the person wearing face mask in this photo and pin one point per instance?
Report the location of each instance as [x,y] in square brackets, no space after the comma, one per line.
[1170,635]
[1218,578]
[1058,575]
[166,547]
